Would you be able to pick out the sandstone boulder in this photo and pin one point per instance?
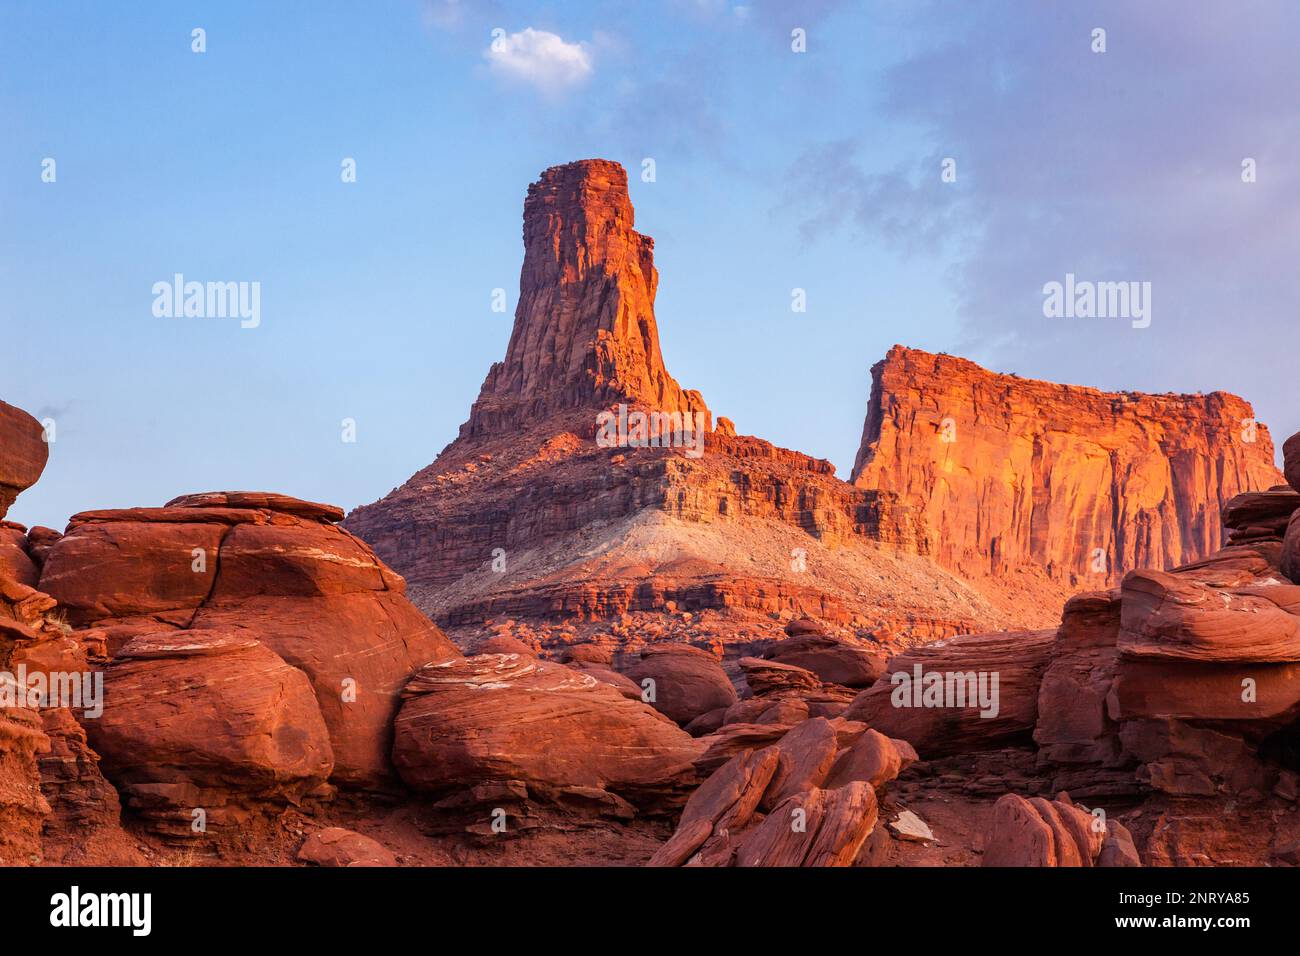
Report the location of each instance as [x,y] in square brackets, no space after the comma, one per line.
[208,720]
[772,678]
[974,692]
[1171,617]
[335,846]
[1039,832]
[873,758]
[503,718]
[1263,510]
[23,453]
[832,660]
[687,681]
[836,824]
[305,589]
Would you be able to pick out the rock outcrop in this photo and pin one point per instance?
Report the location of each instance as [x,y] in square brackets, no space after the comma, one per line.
[807,798]
[974,692]
[336,846]
[503,730]
[1038,832]
[23,808]
[23,453]
[585,334]
[542,509]
[266,567]
[1011,472]
[682,682]
[203,728]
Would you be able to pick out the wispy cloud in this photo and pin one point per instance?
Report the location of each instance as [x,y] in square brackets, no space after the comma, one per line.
[1123,164]
[540,59]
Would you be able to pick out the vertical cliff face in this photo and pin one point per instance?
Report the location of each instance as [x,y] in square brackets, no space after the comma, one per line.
[1085,483]
[584,333]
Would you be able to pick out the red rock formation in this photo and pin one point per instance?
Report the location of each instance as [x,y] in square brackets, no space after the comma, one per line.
[527,515]
[335,846]
[23,808]
[686,681]
[806,796]
[585,334]
[23,453]
[273,568]
[974,692]
[205,727]
[1012,472]
[1040,832]
[548,731]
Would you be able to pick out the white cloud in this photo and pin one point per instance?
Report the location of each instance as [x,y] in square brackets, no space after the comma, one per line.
[539,58]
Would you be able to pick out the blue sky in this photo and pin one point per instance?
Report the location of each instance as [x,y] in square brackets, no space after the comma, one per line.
[775,170]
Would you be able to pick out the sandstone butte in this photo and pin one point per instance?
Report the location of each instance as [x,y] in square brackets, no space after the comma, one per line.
[1010,472]
[527,524]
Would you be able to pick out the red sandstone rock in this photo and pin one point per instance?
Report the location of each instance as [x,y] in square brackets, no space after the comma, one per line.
[766,710]
[208,720]
[1169,616]
[260,500]
[499,718]
[829,830]
[1290,559]
[1261,508]
[335,846]
[806,755]
[873,758]
[585,332]
[726,801]
[733,739]
[834,661]
[15,563]
[1038,832]
[309,591]
[738,526]
[687,682]
[771,678]
[620,682]
[804,627]
[23,453]
[39,541]
[1012,471]
[22,807]
[85,821]
[132,569]
[1074,727]
[587,654]
[954,724]
[504,644]
[1291,455]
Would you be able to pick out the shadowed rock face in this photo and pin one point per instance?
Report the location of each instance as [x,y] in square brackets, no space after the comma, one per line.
[1011,471]
[585,333]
